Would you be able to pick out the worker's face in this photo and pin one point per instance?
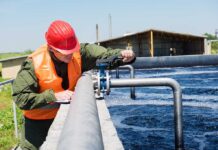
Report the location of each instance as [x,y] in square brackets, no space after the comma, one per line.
[62,57]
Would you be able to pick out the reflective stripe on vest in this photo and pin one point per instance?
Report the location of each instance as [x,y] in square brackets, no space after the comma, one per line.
[48,79]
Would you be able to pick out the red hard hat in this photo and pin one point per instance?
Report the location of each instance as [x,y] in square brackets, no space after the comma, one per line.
[61,37]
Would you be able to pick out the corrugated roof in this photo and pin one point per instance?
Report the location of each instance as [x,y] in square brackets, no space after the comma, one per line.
[155,30]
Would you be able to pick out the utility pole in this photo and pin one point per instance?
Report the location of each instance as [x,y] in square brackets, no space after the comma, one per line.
[110,26]
[96,32]
[216,33]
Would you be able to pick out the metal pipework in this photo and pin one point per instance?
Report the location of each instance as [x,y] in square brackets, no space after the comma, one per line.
[82,129]
[13,106]
[132,75]
[175,61]
[6,82]
[177,93]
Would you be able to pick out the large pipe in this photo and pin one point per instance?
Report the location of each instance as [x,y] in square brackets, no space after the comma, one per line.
[175,61]
[82,129]
[177,93]
[132,76]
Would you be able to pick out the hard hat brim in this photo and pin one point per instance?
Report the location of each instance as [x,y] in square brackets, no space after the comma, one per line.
[70,51]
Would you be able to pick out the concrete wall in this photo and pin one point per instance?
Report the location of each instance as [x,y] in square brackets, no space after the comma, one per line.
[10,67]
[207,45]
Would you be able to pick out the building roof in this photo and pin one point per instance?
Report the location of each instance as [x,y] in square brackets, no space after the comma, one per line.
[154,30]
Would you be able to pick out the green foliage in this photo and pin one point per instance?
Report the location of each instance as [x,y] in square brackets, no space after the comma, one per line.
[7,137]
[0,70]
[14,54]
[210,36]
[9,55]
[27,52]
[1,80]
[214,47]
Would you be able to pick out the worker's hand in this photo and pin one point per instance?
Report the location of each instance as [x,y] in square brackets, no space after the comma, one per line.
[128,55]
[66,95]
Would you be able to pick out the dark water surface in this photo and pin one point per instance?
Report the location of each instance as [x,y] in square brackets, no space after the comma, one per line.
[147,122]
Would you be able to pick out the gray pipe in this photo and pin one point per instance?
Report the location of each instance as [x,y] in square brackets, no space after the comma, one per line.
[177,93]
[117,73]
[132,75]
[82,129]
[175,61]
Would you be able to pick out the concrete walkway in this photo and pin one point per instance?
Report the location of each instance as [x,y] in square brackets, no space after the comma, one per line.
[110,138]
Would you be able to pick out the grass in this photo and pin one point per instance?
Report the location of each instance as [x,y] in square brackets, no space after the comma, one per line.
[7,136]
[0,69]
[14,54]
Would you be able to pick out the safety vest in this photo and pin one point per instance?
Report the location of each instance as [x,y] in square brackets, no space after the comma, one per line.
[48,79]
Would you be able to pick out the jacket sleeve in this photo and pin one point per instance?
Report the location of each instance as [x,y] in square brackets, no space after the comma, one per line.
[26,89]
[91,52]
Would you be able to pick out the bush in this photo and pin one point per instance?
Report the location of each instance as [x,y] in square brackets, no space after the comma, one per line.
[214,47]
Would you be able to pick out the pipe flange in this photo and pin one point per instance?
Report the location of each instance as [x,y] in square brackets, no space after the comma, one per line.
[108,83]
[99,84]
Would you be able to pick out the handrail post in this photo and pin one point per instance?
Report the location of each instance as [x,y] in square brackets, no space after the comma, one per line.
[15,116]
[132,76]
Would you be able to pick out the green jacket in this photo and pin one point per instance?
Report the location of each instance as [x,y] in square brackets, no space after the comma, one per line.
[26,88]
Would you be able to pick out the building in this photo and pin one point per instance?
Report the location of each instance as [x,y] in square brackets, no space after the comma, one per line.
[154,42]
[11,66]
[148,43]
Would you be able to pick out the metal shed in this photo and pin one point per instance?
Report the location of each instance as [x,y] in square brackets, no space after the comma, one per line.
[154,42]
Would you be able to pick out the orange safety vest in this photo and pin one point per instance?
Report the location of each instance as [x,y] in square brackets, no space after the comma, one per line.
[48,79]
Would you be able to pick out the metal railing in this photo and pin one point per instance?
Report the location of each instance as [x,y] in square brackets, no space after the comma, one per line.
[132,76]
[177,93]
[13,107]
[82,129]
[175,61]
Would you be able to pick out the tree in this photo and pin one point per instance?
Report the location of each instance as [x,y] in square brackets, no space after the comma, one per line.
[210,36]
[214,44]
[28,51]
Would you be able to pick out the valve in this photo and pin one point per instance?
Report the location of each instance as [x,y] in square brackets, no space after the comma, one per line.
[103,77]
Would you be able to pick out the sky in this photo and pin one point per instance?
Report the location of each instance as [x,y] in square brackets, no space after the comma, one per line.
[23,23]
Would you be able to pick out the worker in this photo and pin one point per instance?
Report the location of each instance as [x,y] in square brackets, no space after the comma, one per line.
[171,51]
[50,74]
